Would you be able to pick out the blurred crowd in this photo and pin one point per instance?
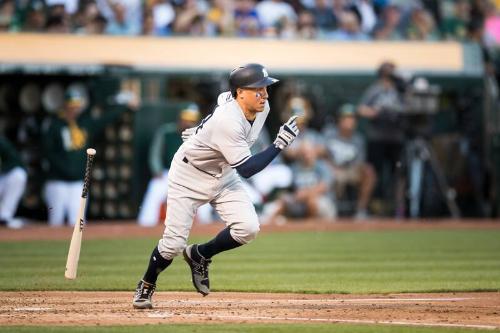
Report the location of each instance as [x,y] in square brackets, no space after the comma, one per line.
[344,20]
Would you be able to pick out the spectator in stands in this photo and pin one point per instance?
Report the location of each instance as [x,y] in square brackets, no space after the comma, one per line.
[65,140]
[246,19]
[167,139]
[349,29]
[57,24]
[190,19]
[270,12]
[95,25]
[159,18]
[57,9]
[366,14]
[389,27]
[492,24]
[35,17]
[220,18]
[311,196]
[455,26]
[422,26]
[129,12]
[13,178]
[338,8]
[380,106]
[347,154]
[7,9]
[324,16]
[118,23]
[67,7]
[90,20]
[306,26]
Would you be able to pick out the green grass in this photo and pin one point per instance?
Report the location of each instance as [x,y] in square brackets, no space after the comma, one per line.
[247,328]
[311,262]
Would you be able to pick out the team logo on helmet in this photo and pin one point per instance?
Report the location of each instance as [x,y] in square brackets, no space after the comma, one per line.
[264,72]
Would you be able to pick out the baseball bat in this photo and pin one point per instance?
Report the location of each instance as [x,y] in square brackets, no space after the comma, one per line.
[76,239]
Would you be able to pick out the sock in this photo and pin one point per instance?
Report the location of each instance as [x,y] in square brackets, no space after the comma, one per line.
[222,242]
[156,265]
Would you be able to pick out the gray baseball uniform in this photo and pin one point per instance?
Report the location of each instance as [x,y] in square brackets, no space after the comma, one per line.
[203,171]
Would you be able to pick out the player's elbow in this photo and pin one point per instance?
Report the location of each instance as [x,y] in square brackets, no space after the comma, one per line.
[245,174]
[245,171]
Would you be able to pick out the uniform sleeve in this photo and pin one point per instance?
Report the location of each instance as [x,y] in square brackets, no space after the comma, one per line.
[229,139]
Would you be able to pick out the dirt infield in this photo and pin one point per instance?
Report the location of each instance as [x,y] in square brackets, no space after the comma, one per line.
[473,310]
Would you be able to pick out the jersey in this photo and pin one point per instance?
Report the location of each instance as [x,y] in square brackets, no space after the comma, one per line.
[223,139]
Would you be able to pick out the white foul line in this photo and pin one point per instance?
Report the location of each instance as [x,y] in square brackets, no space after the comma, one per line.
[32,309]
[328,320]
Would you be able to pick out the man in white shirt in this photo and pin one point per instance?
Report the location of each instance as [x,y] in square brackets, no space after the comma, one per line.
[207,168]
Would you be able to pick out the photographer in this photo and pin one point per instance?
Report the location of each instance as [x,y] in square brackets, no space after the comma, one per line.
[379,106]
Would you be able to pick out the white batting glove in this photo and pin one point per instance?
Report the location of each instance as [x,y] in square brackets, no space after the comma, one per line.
[186,134]
[287,133]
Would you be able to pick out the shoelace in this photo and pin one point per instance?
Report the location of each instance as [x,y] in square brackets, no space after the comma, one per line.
[143,290]
[202,267]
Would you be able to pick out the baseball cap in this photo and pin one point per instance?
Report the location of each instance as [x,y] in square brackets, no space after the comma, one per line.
[347,110]
[74,97]
[190,113]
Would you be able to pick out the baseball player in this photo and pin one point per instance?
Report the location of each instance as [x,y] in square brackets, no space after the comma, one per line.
[207,168]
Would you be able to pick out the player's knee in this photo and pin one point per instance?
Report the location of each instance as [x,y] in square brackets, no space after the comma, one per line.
[18,176]
[246,233]
[171,247]
[252,231]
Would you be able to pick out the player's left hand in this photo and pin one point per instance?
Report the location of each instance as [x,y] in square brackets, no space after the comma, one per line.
[287,133]
[186,134]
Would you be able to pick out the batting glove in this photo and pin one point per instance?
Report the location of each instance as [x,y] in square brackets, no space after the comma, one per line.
[186,134]
[287,133]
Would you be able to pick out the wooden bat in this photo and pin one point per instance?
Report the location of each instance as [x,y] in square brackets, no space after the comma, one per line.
[76,239]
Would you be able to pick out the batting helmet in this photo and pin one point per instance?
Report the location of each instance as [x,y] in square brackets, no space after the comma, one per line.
[249,76]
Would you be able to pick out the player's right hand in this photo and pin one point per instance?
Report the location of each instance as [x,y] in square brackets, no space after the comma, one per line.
[186,134]
[287,133]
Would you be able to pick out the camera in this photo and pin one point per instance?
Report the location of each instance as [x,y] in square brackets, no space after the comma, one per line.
[421,97]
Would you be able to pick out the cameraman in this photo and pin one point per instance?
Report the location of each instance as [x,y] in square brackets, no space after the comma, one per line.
[379,106]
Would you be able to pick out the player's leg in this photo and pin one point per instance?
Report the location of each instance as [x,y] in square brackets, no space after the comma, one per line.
[178,222]
[155,195]
[367,180]
[55,197]
[182,204]
[236,210]
[14,183]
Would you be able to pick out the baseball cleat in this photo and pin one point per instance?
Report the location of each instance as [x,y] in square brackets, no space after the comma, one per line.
[143,295]
[199,269]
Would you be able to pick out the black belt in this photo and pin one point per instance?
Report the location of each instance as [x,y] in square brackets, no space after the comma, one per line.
[185,160]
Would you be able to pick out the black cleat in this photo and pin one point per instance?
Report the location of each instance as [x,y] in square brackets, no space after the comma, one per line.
[199,269]
[143,295]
